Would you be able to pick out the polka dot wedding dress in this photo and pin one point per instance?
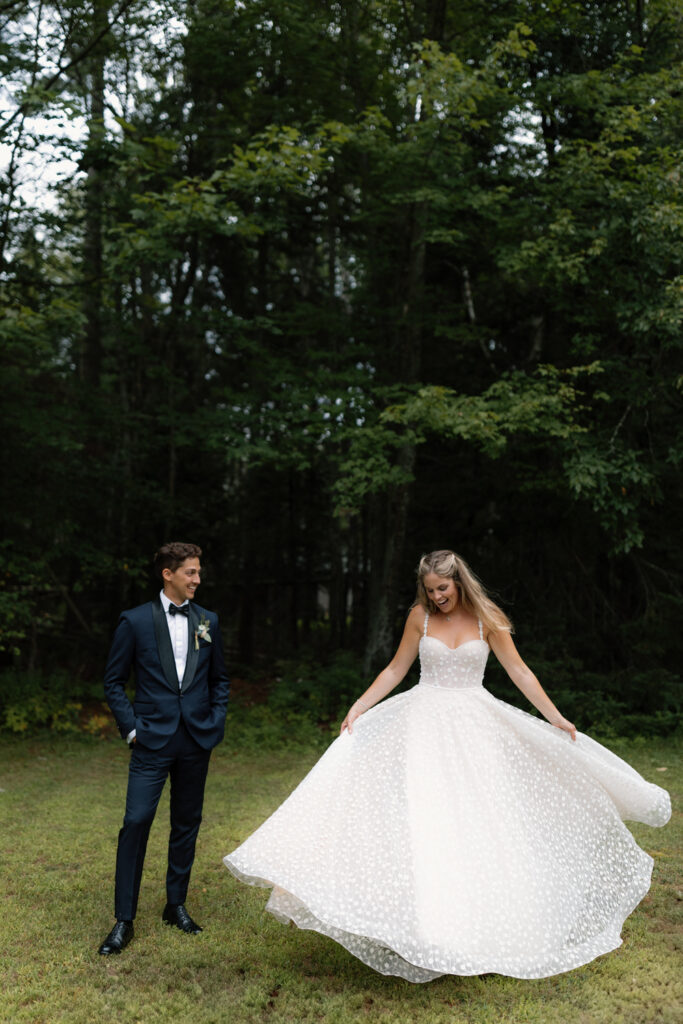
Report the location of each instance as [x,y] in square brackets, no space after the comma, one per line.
[454,834]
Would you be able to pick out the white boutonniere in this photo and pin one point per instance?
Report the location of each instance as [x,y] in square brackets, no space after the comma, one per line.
[202,632]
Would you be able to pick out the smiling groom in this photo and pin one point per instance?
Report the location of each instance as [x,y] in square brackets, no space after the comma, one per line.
[178,715]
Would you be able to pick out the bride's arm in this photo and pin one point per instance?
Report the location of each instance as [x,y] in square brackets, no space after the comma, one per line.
[502,645]
[395,671]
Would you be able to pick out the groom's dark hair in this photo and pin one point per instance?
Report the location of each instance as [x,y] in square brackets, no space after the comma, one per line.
[171,556]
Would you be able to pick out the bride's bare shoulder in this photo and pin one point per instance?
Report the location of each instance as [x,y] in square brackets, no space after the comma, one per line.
[416,617]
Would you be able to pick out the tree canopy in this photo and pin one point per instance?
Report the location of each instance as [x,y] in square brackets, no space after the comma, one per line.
[324,286]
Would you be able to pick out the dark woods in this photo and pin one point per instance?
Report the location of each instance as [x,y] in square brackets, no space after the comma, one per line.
[328,286]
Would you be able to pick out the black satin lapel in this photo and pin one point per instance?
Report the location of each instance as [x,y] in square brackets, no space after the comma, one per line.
[164,645]
[192,651]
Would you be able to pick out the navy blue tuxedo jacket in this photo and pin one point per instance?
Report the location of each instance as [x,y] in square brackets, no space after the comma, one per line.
[142,643]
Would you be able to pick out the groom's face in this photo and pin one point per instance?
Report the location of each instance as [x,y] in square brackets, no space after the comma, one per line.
[181,583]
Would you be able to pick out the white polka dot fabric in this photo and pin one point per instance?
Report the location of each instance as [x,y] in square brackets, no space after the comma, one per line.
[454,834]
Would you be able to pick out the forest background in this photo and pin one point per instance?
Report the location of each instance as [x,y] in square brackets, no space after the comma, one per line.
[323,286]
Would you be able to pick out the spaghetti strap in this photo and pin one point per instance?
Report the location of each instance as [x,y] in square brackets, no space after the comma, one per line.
[481,630]
[426,621]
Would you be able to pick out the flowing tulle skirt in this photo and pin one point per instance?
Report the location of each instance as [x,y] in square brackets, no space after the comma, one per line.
[455,834]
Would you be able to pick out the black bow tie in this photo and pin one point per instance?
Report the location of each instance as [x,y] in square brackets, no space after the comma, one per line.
[183,609]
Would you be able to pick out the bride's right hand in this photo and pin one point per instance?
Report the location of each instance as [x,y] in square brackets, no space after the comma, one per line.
[354,712]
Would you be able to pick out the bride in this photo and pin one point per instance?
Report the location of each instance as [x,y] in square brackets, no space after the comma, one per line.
[447,832]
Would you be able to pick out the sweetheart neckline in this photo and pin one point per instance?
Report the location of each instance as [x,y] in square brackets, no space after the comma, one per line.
[476,640]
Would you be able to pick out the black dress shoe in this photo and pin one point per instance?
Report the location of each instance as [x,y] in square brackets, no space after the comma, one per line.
[118,938]
[175,913]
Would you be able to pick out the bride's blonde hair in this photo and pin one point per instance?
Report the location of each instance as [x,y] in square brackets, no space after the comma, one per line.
[473,597]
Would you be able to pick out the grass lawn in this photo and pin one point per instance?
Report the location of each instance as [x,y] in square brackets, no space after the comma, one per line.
[61,802]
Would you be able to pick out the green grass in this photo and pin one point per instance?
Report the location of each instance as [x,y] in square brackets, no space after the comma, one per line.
[60,810]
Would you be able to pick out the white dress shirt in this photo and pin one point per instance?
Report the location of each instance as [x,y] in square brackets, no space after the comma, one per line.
[179,631]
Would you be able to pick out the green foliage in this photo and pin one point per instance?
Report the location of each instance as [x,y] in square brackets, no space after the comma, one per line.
[30,702]
[337,283]
[630,703]
[370,464]
[616,481]
[322,690]
[25,598]
[545,403]
[263,727]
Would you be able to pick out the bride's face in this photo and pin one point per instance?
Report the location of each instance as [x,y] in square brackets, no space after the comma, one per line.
[442,591]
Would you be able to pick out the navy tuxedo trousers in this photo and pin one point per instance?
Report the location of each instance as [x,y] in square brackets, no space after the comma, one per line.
[187,764]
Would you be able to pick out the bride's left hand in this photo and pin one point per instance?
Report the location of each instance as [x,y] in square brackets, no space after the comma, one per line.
[562,723]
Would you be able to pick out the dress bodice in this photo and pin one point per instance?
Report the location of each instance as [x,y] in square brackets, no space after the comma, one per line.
[452,668]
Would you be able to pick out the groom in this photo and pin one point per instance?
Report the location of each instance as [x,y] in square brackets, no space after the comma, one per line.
[177,717]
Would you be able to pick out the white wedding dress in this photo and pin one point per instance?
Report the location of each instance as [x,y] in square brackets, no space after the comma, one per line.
[452,833]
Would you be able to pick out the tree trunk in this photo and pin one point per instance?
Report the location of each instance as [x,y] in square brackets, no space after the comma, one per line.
[386,578]
[91,348]
[381,639]
[408,343]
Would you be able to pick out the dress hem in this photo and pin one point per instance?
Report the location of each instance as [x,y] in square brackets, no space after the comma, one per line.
[309,921]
